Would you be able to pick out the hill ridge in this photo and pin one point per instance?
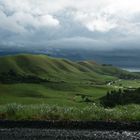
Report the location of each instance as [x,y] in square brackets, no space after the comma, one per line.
[60,69]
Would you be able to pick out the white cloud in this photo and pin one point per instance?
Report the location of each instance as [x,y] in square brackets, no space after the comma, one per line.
[94,15]
[27,19]
[95,22]
[16,15]
[48,20]
[104,15]
[101,15]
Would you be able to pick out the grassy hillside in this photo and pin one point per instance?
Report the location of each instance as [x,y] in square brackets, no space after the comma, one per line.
[37,79]
[54,69]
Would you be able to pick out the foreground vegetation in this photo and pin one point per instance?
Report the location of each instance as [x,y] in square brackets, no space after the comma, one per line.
[93,112]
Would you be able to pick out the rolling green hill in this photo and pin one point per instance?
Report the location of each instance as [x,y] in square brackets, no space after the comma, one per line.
[59,70]
[36,79]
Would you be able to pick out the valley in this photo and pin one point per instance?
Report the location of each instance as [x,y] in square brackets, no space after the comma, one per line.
[32,80]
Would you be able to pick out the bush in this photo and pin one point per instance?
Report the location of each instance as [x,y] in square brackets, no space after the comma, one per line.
[121,97]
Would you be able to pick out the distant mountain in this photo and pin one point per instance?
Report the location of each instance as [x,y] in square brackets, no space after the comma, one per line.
[29,67]
[121,58]
[127,58]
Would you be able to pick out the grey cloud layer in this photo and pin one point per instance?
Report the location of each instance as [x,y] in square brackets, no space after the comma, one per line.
[101,24]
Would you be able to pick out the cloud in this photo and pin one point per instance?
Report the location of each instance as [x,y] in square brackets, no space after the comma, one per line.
[104,16]
[16,17]
[48,20]
[9,23]
[37,21]
[95,23]
[101,15]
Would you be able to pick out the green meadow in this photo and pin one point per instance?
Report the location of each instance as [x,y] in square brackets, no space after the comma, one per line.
[31,83]
[63,95]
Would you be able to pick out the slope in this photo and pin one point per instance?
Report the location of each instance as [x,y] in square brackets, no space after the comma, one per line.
[60,70]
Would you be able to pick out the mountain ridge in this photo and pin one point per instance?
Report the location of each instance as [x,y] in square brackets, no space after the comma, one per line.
[60,69]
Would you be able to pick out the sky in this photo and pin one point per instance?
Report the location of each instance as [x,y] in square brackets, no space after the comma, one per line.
[98,24]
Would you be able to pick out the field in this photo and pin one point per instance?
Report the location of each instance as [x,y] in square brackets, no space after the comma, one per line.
[127,83]
[63,95]
[29,93]
[41,87]
[63,102]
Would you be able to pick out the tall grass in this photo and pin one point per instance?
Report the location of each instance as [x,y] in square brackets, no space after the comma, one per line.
[46,112]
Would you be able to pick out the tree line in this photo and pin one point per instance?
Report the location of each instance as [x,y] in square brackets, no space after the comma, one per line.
[121,97]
